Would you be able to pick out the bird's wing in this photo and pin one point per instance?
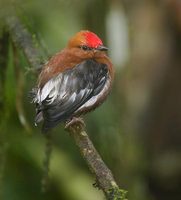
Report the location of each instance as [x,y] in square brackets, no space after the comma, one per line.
[65,93]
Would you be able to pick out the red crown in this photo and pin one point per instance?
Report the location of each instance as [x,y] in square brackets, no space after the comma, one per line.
[92,39]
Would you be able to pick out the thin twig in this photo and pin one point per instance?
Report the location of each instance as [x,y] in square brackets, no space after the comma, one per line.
[4,41]
[46,164]
[104,177]
[19,91]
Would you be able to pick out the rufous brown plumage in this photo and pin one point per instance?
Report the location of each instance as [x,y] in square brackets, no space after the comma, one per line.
[74,81]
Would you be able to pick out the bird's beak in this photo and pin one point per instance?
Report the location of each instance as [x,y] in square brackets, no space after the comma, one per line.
[102,48]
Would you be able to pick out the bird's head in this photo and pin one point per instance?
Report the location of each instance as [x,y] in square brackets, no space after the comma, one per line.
[86,41]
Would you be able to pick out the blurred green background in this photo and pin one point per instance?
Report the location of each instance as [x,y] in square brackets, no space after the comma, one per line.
[137,130]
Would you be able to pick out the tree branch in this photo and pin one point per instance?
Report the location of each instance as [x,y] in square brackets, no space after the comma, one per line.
[24,40]
[104,178]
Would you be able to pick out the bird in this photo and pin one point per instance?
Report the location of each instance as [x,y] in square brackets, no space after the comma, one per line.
[73,82]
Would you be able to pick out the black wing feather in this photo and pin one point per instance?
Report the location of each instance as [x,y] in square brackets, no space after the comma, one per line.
[79,84]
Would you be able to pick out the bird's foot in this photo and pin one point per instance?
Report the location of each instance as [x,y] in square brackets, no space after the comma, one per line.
[75,123]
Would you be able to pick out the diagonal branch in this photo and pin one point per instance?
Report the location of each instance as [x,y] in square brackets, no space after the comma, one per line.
[104,178]
[24,40]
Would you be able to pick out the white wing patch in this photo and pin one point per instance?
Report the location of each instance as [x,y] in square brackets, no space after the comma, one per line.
[50,90]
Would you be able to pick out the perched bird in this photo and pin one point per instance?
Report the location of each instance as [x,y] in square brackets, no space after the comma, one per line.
[73,82]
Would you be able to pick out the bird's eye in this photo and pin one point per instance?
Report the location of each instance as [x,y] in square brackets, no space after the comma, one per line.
[85,48]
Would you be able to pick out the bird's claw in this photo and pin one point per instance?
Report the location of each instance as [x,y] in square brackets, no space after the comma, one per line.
[75,122]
